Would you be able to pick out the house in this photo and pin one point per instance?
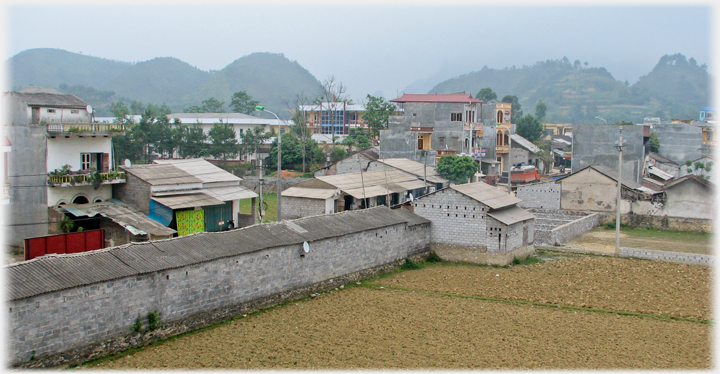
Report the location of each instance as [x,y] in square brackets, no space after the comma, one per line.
[594,144]
[240,123]
[690,196]
[524,151]
[59,156]
[354,163]
[662,163]
[333,117]
[433,125]
[476,222]
[336,193]
[187,195]
[419,170]
[698,166]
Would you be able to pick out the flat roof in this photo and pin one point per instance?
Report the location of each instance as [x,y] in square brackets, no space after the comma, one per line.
[436,98]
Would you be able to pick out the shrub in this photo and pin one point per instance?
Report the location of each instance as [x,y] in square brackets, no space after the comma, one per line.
[137,326]
[153,320]
[433,257]
[410,265]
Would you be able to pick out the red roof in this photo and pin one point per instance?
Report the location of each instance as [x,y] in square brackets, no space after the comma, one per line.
[436,98]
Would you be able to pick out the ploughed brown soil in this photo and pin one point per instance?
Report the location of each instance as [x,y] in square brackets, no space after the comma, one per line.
[602,239]
[441,317]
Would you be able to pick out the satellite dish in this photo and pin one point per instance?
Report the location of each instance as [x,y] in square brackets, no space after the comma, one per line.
[128,163]
[411,197]
[306,247]
[89,109]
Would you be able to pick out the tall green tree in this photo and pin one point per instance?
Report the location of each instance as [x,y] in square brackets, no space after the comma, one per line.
[516,112]
[654,143]
[303,132]
[241,102]
[540,110]
[457,169]
[223,142]
[377,114]
[292,151]
[211,105]
[486,94]
[251,139]
[357,138]
[193,142]
[529,128]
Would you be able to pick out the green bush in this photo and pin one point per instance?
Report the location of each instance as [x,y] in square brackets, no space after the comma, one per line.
[433,257]
[153,320]
[137,326]
[410,265]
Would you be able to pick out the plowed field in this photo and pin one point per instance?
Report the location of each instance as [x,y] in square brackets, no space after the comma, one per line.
[569,313]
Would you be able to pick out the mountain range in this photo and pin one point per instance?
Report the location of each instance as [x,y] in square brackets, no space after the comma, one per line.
[676,87]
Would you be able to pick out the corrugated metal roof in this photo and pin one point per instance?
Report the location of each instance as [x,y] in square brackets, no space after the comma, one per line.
[120,213]
[659,173]
[159,175]
[57,272]
[230,193]
[201,169]
[187,201]
[517,139]
[493,197]
[50,100]
[367,179]
[416,168]
[310,193]
[511,215]
[436,98]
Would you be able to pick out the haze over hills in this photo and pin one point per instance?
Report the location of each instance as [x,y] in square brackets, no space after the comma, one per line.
[675,88]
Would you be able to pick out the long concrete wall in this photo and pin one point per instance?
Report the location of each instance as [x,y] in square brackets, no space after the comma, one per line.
[595,145]
[555,227]
[683,258]
[70,325]
[679,142]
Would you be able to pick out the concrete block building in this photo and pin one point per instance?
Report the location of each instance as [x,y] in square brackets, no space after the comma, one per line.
[476,222]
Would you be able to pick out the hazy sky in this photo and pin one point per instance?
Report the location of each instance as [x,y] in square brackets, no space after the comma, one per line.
[382,47]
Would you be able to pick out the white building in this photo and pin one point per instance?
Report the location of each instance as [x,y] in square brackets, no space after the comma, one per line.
[49,131]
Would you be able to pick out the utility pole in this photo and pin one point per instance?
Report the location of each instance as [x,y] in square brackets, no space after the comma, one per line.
[619,146]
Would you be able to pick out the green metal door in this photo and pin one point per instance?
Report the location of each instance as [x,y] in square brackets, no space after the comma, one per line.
[217,216]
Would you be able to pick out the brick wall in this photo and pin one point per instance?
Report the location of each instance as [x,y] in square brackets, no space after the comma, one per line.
[540,195]
[554,227]
[72,325]
[297,207]
[134,192]
[456,218]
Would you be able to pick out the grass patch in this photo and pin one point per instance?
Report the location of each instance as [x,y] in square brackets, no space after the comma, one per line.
[526,261]
[410,265]
[268,198]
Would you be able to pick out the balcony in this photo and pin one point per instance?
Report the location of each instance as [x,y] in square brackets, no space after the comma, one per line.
[502,148]
[79,178]
[85,129]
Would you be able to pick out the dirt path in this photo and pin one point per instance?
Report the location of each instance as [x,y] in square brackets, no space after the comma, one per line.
[436,318]
[603,240]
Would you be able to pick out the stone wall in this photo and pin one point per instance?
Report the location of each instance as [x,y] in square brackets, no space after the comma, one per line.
[66,326]
[457,219]
[555,227]
[683,258]
[269,183]
[661,222]
[540,195]
[134,192]
[297,207]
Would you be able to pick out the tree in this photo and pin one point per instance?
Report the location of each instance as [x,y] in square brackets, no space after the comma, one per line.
[211,105]
[529,128]
[300,127]
[540,110]
[332,92]
[292,150]
[357,138]
[516,112]
[654,143]
[251,139]
[241,102]
[223,143]
[486,94]
[458,169]
[377,114]
[193,142]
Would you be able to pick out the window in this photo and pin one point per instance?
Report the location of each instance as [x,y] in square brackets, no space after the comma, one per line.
[456,117]
[51,110]
[74,111]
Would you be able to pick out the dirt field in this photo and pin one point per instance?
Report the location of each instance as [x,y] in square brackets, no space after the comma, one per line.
[439,317]
[603,239]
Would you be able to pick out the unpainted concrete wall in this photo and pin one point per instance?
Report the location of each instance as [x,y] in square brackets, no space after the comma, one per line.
[679,142]
[539,195]
[595,145]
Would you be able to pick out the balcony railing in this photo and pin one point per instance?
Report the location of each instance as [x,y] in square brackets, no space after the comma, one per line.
[502,148]
[85,127]
[83,179]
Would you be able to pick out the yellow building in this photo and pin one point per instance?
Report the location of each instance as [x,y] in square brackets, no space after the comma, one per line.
[334,117]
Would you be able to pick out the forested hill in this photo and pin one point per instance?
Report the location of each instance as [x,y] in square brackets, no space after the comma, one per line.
[269,78]
[675,88]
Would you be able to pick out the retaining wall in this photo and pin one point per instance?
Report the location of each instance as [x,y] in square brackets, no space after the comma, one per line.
[661,222]
[269,183]
[73,325]
[683,258]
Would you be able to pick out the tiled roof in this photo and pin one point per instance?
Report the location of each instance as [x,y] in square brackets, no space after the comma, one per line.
[436,98]
[57,272]
[50,100]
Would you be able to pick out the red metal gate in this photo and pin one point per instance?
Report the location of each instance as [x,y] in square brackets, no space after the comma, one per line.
[64,243]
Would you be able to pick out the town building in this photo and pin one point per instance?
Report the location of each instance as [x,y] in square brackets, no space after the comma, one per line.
[59,156]
[187,195]
[336,193]
[594,144]
[476,222]
[333,117]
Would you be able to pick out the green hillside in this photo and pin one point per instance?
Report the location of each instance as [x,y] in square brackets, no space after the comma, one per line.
[676,88]
[160,80]
[52,67]
[269,78]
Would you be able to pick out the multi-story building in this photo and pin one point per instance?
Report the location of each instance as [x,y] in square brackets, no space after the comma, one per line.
[333,117]
[59,156]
